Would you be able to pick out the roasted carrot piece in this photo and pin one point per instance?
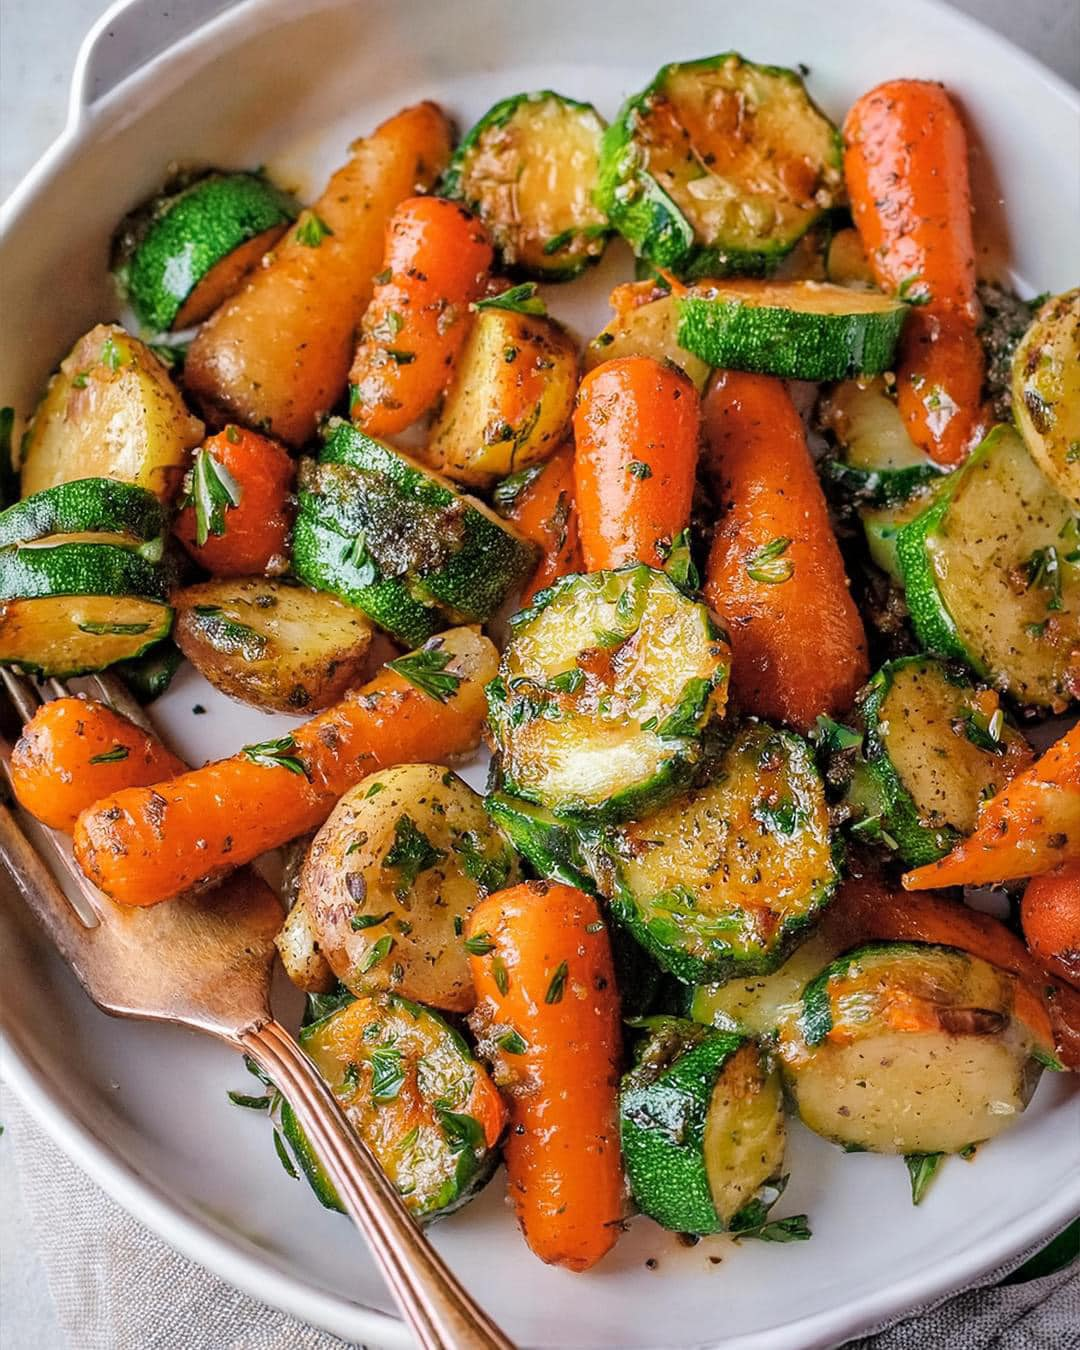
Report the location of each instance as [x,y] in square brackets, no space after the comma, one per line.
[436,263]
[543,510]
[866,909]
[276,355]
[906,165]
[547,1015]
[636,429]
[147,844]
[774,574]
[74,751]
[1050,918]
[236,523]
[1030,827]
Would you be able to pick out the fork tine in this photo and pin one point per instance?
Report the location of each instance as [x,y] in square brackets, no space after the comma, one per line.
[22,693]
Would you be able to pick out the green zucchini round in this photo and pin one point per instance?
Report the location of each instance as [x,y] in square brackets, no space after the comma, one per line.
[799,330]
[84,506]
[167,250]
[528,169]
[719,166]
[701,1121]
[608,693]
[551,844]
[79,568]
[878,464]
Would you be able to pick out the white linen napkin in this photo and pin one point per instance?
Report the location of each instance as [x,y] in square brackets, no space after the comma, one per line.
[118,1287]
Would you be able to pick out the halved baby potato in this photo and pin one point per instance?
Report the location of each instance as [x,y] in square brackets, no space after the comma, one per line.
[111,411]
[645,324]
[273,644]
[510,400]
[392,876]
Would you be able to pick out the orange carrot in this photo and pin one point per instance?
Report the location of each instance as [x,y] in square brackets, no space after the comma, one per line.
[1050,917]
[276,355]
[906,166]
[636,431]
[242,527]
[547,1012]
[436,263]
[142,845]
[74,751]
[544,513]
[1030,827]
[866,909]
[774,574]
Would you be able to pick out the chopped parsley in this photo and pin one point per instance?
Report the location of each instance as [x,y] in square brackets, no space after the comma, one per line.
[426,669]
[411,853]
[211,489]
[769,565]
[276,754]
[312,230]
[113,756]
[518,300]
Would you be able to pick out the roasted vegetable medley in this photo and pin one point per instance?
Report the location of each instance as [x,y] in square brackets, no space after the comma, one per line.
[762,599]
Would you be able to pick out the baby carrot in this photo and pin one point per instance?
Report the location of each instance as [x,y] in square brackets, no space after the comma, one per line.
[142,845]
[906,166]
[1050,918]
[276,355]
[436,263]
[74,751]
[1030,827]
[774,574]
[636,429]
[547,1013]
[543,511]
[236,515]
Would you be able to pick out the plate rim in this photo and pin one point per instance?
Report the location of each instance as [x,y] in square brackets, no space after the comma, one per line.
[225,1253]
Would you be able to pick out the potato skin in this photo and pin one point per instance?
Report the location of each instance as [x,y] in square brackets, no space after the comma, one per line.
[510,401]
[397,926]
[273,644]
[277,354]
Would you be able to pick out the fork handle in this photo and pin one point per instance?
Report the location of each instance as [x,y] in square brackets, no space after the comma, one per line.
[439,1311]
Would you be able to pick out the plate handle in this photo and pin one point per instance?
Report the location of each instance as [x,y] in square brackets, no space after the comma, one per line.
[128,35]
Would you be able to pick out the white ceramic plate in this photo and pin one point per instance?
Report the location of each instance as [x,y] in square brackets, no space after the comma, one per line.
[142,1108]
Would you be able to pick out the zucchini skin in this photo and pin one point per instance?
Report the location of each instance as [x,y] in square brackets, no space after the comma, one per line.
[173,241]
[647,217]
[878,488]
[79,569]
[453,185]
[149,674]
[934,625]
[789,343]
[84,505]
[553,847]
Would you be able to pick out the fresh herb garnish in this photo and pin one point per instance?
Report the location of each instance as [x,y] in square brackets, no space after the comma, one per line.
[679,564]
[411,853]
[518,300]
[490,874]
[113,756]
[510,489]
[359,922]
[211,490]
[558,242]
[795,1228]
[283,1156]
[567,681]
[985,732]
[387,1073]
[400,357]
[379,952]
[426,668]
[312,230]
[500,974]
[276,754]
[1043,570]
[462,1131]
[640,469]
[685,720]
[557,984]
[350,1080]
[113,629]
[769,565]
[251,1103]
[913,291]
[479,944]
[113,357]
[512,1042]
[1047,1060]
[830,736]
[922,1168]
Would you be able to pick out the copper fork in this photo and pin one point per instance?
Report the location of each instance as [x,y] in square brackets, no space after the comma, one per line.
[205,962]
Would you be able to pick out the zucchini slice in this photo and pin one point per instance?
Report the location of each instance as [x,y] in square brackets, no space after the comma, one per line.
[701,1119]
[878,464]
[719,166]
[1046,392]
[645,326]
[908,1048]
[391,877]
[607,693]
[84,506]
[1005,599]
[800,330]
[510,400]
[935,748]
[179,255]
[111,412]
[150,673]
[528,169]
[552,846]
[726,880]
[881,529]
[273,644]
[413,1092]
[754,1005]
[399,541]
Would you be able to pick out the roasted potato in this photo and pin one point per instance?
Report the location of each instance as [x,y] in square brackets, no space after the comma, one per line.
[298,947]
[391,877]
[510,400]
[271,643]
[111,411]
[645,323]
